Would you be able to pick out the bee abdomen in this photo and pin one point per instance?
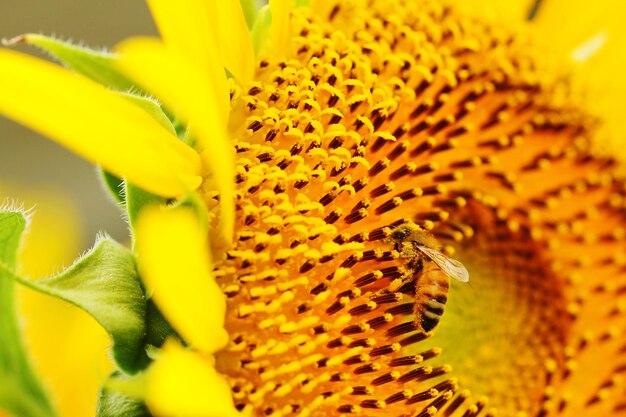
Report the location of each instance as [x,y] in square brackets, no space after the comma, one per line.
[435,291]
[431,297]
[433,306]
[434,283]
[429,313]
[428,321]
[437,298]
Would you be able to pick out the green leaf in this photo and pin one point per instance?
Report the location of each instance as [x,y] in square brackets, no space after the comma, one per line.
[21,393]
[105,284]
[100,66]
[18,400]
[113,403]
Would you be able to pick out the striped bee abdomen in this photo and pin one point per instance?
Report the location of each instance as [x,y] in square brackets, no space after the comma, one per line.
[431,295]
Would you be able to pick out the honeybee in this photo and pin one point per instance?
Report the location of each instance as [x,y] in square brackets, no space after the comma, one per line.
[428,270]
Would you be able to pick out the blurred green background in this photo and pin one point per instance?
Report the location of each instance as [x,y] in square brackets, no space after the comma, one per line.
[32,164]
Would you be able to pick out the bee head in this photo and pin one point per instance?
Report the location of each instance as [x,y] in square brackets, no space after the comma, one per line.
[400,233]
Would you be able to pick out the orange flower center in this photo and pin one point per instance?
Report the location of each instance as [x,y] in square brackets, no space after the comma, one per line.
[414,115]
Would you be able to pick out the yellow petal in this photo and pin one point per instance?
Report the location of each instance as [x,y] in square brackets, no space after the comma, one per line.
[183,87]
[234,40]
[173,257]
[568,24]
[74,366]
[95,123]
[591,37]
[280,30]
[509,11]
[184,384]
[212,33]
[187,30]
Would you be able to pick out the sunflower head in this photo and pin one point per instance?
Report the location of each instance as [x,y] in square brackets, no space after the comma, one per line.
[361,164]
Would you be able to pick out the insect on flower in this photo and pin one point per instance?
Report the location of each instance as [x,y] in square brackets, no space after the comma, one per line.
[428,272]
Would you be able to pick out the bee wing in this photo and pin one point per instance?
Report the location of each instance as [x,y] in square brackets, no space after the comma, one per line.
[451,267]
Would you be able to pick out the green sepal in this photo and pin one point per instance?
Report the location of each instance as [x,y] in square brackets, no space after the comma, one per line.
[21,393]
[136,200]
[152,107]
[197,204]
[113,402]
[105,284]
[114,185]
[158,330]
[180,126]
[164,116]
[250,10]
[13,222]
[261,29]
[100,66]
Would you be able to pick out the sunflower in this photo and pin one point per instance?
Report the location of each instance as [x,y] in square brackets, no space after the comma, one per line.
[301,194]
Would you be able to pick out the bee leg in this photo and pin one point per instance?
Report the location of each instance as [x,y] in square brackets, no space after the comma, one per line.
[397,285]
[392,288]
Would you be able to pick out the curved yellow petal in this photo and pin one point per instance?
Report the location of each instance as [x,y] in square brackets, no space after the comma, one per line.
[212,33]
[591,36]
[184,88]
[173,257]
[280,29]
[234,40]
[496,10]
[175,79]
[99,125]
[188,30]
[76,364]
[184,384]
[568,24]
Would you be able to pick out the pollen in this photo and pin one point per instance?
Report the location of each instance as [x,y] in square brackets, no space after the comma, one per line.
[414,114]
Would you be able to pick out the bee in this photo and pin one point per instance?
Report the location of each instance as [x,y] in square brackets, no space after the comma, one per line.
[428,271]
